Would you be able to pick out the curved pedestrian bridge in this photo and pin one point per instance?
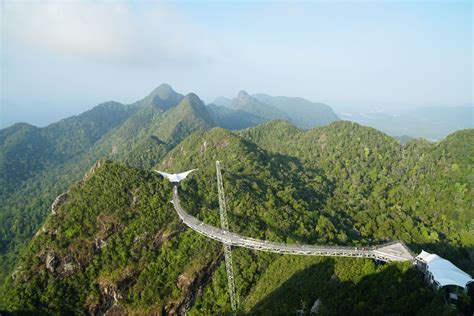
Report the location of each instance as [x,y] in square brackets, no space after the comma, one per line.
[393,251]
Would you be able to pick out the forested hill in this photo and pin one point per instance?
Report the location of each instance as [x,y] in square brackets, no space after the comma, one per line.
[249,110]
[303,113]
[36,164]
[115,244]
[27,150]
[381,182]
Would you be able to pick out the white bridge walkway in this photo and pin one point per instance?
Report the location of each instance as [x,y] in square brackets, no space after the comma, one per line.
[393,251]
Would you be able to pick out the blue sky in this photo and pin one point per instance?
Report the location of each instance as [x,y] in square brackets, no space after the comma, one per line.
[59,59]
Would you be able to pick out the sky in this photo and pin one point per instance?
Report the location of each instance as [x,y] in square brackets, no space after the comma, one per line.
[61,58]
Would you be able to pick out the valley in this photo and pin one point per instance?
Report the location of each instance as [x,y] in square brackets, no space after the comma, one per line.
[114,243]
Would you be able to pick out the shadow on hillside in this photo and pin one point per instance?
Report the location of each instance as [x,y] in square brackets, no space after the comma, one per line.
[391,291]
[303,286]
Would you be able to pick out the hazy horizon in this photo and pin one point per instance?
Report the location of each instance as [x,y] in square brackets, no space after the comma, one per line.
[60,59]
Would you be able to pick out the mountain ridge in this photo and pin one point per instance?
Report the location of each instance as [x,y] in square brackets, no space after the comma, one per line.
[114,242]
[139,135]
[300,193]
[162,97]
[304,113]
[301,112]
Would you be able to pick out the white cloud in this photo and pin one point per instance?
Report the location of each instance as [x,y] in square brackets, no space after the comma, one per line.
[117,32]
[334,53]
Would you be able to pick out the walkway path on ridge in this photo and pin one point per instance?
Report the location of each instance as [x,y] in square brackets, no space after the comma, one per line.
[393,251]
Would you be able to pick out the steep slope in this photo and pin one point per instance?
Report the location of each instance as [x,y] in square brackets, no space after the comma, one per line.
[26,150]
[299,111]
[273,135]
[163,98]
[140,126]
[38,163]
[153,130]
[233,119]
[115,244]
[113,238]
[151,279]
[379,183]
[50,162]
[189,116]
[341,287]
[246,103]
[303,113]
[20,143]
[117,237]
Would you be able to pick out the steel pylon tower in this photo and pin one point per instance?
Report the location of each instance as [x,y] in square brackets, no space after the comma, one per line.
[227,249]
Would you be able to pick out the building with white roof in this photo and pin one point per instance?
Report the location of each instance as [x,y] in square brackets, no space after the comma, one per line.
[442,273]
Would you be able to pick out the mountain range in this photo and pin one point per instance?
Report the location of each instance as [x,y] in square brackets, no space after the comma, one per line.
[113,244]
[258,108]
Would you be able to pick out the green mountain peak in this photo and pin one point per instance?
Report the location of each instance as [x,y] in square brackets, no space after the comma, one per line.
[192,97]
[242,94]
[192,105]
[163,97]
[113,244]
[164,90]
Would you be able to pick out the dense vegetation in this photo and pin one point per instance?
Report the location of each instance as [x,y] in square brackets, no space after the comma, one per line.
[233,119]
[117,235]
[27,150]
[421,193]
[36,164]
[245,111]
[302,113]
[115,243]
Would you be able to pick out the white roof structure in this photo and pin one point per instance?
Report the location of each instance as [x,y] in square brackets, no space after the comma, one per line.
[175,177]
[444,271]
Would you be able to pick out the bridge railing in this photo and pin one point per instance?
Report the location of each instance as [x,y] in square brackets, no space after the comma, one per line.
[201,226]
[227,236]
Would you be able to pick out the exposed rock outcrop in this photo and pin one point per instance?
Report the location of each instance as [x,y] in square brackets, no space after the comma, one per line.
[16,273]
[316,306]
[51,261]
[60,199]
[109,296]
[193,287]
[111,293]
[94,169]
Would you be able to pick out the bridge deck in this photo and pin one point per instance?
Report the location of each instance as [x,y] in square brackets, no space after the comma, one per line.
[394,251]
